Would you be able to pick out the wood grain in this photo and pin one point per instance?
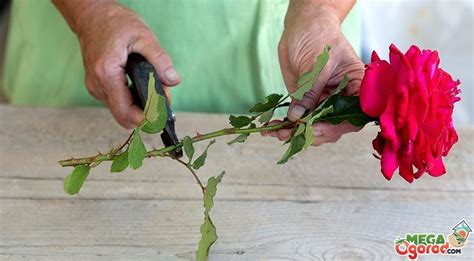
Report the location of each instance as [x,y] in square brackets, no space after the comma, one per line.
[329,203]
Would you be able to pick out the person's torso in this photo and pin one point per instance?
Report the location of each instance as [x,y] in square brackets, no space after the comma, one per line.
[225,52]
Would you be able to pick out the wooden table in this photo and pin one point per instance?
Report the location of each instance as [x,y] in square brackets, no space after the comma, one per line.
[330,202]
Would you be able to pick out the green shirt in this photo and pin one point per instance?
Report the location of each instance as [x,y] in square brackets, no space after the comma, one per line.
[225,52]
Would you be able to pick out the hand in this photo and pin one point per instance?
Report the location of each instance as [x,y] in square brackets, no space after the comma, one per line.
[308,29]
[108,34]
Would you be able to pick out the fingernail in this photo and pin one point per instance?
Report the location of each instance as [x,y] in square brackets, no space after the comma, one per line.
[171,75]
[297,111]
[317,133]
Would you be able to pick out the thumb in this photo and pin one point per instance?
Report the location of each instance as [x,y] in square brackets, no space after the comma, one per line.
[157,56]
[310,99]
[290,77]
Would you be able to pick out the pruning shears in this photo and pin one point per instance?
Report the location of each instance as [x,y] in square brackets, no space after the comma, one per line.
[138,70]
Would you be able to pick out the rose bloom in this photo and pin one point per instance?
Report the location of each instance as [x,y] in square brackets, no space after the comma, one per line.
[414,100]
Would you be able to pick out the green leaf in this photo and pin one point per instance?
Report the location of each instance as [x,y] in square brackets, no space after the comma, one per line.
[162,116]
[347,108]
[208,230]
[155,112]
[356,119]
[342,85]
[150,112]
[345,103]
[295,132]
[199,162]
[296,145]
[120,162]
[136,150]
[306,116]
[268,103]
[309,137]
[241,139]
[266,116]
[308,79]
[73,182]
[340,104]
[299,130]
[239,121]
[330,100]
[188,148]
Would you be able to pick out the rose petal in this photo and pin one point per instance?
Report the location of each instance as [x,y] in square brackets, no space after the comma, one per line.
[387,124]
[375,57]
[404,82]
[394,58]
[413,54]
[431,63]
[419,173]
[406,169]
[377,82]
[402,87]
[420,95]
[412,121]
[437,169]
[389,162]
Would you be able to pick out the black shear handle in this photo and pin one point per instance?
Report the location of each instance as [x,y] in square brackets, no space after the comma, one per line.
[138,70]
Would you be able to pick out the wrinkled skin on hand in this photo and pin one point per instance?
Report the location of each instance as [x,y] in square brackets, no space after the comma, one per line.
[107,35]
[307,31]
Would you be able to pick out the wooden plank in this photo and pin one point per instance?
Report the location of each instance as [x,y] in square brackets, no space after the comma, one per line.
[30,188]
[168,230]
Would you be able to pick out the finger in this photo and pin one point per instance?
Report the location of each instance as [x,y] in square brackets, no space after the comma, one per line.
[157,56]
[271,133]
[310,99]
[120,103]
[167,91]
[323,139]
[328,129]
[347,63]
[325,132]
[354,70]
[94,90]
[281,134]
[284,134]
[289,77]
[274,122]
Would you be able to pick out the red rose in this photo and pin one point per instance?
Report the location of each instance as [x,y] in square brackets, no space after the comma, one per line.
[413,99]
